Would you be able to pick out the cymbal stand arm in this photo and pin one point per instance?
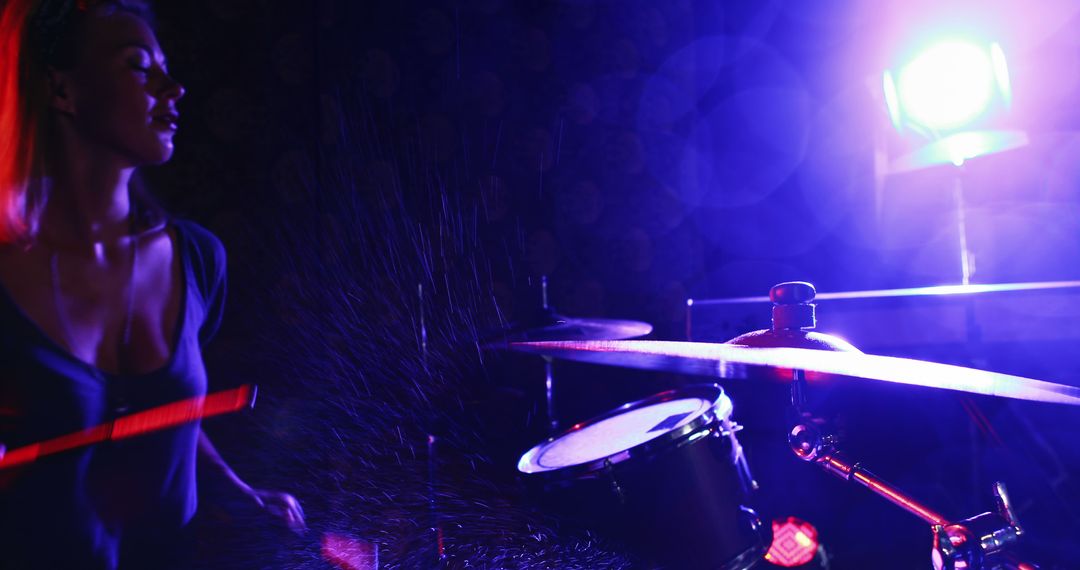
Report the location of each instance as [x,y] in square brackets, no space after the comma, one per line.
[980,542]
[798,391]
[809,444]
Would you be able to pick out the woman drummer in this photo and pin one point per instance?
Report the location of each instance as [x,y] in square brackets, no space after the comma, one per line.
[106,301]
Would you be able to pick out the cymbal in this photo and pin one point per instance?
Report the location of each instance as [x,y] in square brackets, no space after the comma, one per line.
[734,361]
[552,326]
[932,291]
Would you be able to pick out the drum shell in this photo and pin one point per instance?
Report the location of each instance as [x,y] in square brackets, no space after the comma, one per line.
[683,506]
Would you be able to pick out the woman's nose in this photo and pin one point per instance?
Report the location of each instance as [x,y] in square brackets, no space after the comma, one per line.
[173,88]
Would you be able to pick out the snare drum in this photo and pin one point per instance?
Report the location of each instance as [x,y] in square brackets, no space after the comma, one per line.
[665,476]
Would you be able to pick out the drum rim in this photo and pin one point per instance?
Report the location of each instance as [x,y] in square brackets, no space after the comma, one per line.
[700,426]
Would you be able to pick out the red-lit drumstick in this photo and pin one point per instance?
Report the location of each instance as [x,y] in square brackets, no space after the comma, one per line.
[154,419]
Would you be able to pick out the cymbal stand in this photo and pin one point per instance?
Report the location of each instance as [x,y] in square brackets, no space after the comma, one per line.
[553,423]
[549,380]
[980,542]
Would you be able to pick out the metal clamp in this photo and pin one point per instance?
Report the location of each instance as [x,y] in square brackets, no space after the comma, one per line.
[982,541]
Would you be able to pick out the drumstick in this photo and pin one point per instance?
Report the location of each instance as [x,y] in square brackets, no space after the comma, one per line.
[154,419]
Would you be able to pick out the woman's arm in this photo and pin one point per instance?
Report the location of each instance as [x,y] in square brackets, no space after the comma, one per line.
[217,466]
[281,505]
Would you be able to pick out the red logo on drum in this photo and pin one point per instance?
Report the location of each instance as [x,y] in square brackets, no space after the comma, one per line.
[794,542]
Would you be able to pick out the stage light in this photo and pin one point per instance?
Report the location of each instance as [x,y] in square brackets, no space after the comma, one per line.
[948,87]
[949,105]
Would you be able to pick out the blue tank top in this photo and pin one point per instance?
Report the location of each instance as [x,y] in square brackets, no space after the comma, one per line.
[74,509]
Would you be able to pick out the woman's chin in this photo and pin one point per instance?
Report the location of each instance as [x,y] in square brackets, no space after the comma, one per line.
[158,155]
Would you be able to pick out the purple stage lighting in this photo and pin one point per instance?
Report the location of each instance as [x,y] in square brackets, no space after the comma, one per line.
[947,87]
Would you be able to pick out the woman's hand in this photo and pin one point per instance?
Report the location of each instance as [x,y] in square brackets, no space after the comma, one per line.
[282,506]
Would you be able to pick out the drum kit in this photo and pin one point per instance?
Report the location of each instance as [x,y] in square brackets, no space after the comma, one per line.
[667,476]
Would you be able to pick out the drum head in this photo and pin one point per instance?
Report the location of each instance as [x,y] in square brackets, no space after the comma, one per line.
[634,429]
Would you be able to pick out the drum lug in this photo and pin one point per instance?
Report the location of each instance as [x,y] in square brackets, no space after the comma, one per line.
[609,471]
[727,428]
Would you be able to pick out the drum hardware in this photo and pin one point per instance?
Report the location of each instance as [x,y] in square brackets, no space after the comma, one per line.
[549,381]
[743,362]
[549,325]
[976,543]
[727,361]
[549,394]
[546,324]
[793,315]
[665,475]
[981,542]
[738,458]
[608,472]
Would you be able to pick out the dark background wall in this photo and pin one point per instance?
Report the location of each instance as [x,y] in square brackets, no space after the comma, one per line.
[391,178]
[637,153]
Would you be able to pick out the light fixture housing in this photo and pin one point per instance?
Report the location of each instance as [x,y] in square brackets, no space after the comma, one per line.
[951,86]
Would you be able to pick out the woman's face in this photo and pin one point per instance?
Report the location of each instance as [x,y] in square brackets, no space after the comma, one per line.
[119,95]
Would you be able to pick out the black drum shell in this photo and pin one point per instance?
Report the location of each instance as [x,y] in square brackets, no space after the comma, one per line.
[682,506]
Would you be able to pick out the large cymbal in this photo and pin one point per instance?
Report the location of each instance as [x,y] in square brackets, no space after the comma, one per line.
[552,326]
[733,361]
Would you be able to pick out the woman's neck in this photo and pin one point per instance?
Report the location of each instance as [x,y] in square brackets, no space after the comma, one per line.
[87,205]
[88,202]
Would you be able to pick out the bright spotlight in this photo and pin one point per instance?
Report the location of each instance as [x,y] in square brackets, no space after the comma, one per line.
[947,87]
[952,98]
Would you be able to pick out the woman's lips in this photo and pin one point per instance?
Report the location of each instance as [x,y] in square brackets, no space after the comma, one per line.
[167,122]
